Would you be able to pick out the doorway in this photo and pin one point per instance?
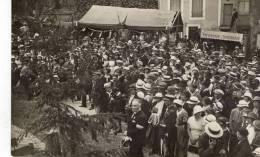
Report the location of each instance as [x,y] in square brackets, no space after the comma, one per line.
[194,33]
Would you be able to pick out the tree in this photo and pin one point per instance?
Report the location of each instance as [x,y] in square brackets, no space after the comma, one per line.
[69,124]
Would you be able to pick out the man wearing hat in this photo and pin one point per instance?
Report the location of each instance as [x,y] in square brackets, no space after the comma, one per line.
[181,124]
[249,119]
[256,106]
[148,95]
[242,148]
[98,91]
[136,129]
[210,143]
[15,73]
[235,119]
[188,106]
[168,125]
[159,106]
[26,77]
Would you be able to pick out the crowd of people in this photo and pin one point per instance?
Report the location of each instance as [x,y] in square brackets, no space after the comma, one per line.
[182,100]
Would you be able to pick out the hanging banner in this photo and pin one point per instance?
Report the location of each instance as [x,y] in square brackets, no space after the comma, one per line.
[237,37]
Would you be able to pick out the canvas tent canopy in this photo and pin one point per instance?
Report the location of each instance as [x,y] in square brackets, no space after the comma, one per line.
[108,17]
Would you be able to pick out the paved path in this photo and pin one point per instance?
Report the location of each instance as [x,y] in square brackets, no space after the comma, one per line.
[83,110]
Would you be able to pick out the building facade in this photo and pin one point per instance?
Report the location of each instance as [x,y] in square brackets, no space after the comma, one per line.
[196,14]
[216,15]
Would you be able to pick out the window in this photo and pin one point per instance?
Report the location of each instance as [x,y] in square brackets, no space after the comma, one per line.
[244,7]
[197,8]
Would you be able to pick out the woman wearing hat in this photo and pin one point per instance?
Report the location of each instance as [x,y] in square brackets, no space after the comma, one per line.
[210,142]
[256,140]
[256,106]
[195,127]
[242,149]
[181,124]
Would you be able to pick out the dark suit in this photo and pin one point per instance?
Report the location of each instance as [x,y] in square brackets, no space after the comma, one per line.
[170,121]
[242,149]
[137,135]
[205,150]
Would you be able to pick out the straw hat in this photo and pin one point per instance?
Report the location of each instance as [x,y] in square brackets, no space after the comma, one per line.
[178,102]
[214,130]
[197,109]
[210,118]
[257,151]
[147,87]
[219,91]
[166,78]
[248,94]
[158,95]
[251,115]
[107,85]
[139,84]
[170,96]
[193,100]
[256,98]
[242,103]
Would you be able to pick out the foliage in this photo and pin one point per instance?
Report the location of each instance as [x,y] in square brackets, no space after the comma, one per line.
[53,114]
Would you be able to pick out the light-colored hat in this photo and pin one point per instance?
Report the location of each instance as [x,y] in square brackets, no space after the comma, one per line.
[197,109]
[218,105]
[140,95]
[55,76]
[164,68]
[219,91]
[251,115]
[195,69]
[171,96]
[193,100]
[158,95]
[178,101]
[139,84]
[258,79]
[251,73]
[256,98]
[214,130]
[210,118]
[166,78]
[242,103]
[257,151]
[107,85]
[147,86]
[111,63]
[248,94]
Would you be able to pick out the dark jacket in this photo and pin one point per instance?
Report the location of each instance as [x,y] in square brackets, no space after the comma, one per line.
[242,149]
[137,135]
[170,121]
[205,150]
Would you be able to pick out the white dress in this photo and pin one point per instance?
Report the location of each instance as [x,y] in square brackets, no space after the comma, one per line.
[196,129]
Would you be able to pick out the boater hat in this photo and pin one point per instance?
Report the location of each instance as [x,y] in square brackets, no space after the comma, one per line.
[197,109]
[214,130]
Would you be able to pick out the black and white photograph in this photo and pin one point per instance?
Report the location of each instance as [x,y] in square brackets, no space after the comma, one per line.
[134,78]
